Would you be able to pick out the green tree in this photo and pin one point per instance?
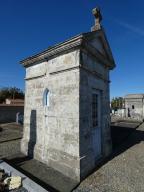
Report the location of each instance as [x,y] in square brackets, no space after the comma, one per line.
[117,103]
[11,93]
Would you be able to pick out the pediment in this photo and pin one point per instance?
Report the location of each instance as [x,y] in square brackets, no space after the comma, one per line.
[98,40]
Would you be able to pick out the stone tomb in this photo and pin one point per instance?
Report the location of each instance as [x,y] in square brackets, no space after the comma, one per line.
[67,113]
[134,106]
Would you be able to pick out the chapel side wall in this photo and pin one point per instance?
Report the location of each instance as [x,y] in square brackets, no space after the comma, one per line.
[56,128]
[88,82]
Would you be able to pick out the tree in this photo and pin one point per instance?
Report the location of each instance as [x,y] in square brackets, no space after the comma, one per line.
[117,103]
[10,93]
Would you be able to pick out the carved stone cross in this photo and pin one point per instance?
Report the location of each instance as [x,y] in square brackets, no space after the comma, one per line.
[98,18]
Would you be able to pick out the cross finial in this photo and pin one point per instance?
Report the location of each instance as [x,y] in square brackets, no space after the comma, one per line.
[98,18]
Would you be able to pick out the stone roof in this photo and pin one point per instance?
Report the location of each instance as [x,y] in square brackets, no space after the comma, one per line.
[134,96]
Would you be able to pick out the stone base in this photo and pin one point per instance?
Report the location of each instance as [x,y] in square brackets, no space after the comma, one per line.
[58,160]
[72,167]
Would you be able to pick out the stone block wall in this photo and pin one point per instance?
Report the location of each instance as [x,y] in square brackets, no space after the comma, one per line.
[61,133]
[51,134]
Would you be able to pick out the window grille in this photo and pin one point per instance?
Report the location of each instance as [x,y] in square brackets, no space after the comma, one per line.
[95,110]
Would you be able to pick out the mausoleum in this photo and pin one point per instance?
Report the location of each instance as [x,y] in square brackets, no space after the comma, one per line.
[67,105]
[134,106]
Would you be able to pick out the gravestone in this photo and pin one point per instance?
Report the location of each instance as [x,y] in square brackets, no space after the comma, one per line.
[19,118]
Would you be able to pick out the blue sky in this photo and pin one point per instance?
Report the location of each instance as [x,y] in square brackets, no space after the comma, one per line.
[29,26]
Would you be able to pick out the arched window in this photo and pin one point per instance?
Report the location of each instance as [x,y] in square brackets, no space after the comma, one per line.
[46,98]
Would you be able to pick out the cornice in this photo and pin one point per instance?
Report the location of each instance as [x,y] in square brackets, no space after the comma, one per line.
[54,51]
[77,42]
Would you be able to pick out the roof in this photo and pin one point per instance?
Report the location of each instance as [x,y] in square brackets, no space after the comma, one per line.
[134,96]
[79,41]
[51,49]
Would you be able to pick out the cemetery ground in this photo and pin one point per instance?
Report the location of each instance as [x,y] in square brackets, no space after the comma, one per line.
[121,172]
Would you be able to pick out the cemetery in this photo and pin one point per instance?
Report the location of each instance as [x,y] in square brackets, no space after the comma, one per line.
[64,136]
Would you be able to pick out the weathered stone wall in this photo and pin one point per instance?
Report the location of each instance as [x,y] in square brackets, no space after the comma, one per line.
[51,134]
[8,113]
[61,135]
[89,80]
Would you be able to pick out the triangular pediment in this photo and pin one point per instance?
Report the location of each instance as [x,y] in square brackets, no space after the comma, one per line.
[98,40]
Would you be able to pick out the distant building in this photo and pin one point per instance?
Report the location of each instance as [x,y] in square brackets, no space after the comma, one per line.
[134,106]
[14,101]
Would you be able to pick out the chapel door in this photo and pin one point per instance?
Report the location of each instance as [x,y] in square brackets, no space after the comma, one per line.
[96,123]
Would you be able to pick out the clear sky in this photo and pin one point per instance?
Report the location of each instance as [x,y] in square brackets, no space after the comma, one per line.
[29,26]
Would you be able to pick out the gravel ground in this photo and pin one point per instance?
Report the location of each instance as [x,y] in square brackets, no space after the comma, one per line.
[124,172]
[10,137]
[10,131]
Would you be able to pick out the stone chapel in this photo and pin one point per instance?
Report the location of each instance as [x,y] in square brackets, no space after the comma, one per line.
[67,104]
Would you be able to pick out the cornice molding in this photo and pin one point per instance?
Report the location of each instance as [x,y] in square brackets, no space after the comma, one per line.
[61,48]
[77,42]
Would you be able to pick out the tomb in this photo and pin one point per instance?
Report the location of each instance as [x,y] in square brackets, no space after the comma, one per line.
[67,104]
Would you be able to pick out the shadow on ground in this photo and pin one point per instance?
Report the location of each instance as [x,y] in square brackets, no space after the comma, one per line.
[120,132]
[20,160]
[48,178]
[124,135]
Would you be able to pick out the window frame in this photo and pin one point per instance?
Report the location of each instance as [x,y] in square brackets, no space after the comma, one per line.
[46,98]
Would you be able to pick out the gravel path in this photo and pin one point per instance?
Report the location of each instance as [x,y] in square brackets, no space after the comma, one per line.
[10,137]
[124,172]
[10,131]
